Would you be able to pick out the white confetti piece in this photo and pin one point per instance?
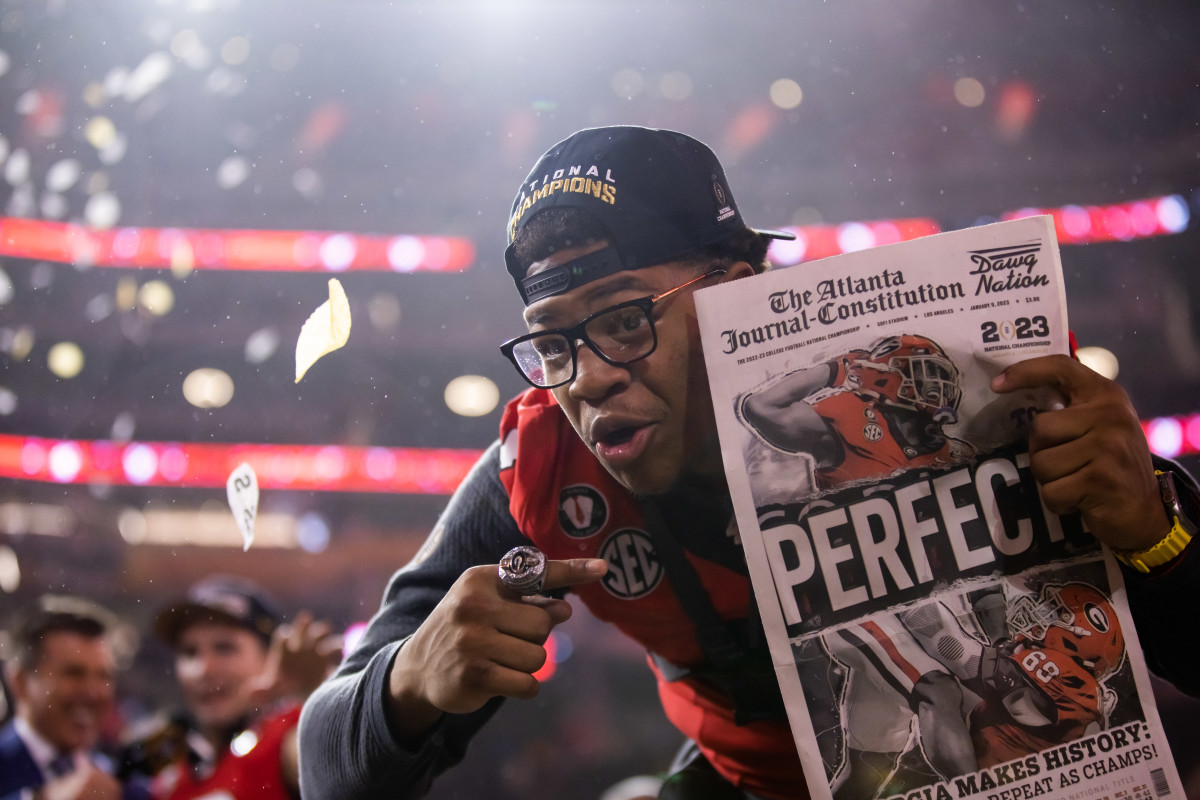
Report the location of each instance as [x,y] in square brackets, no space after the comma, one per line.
[242,491]
[327,329]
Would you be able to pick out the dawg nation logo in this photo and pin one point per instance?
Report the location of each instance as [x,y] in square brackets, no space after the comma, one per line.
[568,179]
[1002,269]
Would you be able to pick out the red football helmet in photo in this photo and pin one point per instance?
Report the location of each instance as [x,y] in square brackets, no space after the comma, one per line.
[1074,619]
[909,371]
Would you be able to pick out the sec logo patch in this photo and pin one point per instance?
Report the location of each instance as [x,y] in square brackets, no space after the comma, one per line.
[581,511]
[633,567]
[872,432]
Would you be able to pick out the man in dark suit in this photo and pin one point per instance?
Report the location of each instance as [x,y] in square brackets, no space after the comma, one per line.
[61,677]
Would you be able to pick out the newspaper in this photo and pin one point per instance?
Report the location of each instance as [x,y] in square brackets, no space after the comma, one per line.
[937,632]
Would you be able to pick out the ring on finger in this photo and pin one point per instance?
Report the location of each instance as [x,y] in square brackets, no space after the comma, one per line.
[523,569]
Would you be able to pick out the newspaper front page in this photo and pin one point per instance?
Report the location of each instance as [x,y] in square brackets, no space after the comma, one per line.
[937,632]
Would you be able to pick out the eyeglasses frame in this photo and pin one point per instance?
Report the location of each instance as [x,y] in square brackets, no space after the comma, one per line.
[576,333]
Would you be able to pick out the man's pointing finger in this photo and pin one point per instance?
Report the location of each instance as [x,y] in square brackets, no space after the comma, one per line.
[573,572]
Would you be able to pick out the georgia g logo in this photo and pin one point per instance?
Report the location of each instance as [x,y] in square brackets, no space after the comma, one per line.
[1097,617]
[633,567]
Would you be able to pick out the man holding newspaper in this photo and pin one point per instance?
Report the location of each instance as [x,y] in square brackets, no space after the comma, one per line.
[610,235]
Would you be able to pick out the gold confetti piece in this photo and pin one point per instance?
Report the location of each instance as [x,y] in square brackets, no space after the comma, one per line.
[325,331]
[242,491]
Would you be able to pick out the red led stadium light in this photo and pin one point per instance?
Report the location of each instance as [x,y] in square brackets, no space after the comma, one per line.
[1173,436]
[1154,216]
[190,248]
[329,251]
[821,241]
[208,465]
[337,468]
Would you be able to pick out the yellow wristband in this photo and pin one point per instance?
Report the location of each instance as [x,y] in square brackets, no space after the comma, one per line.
[1162,553]
[1171,545]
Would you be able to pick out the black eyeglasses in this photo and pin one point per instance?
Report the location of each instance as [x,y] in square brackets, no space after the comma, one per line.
[619,334]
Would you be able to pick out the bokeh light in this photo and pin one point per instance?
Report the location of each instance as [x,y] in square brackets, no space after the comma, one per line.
[312,532]
[63,174]
[126,295]
[8,401]
[10,570]
[1192,433]
[16,168]
[855,236]
[232,172]
[99,132]
[1099,359]
[208,388]
[187,47]
[140,462]
[786,93]
[1173,213]
[405,253]
[261,345]
[337,252]
[157,297]
[235,50]
[472,395]
[19,342]
[627,83]
[102,210]
[65,360]
[65,461]
[131,524]
[675,86]
[969,92]
[1165,436]
[243,743]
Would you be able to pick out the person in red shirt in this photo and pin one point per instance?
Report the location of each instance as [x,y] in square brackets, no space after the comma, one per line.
[243,675]
[610,234]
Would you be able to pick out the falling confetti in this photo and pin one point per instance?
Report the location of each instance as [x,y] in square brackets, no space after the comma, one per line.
[242,491]
[325,331]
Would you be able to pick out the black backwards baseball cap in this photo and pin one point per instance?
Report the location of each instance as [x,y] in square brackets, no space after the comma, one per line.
[659,193]
[220,598]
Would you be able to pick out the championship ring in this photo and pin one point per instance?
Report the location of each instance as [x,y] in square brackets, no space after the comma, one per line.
[523,569]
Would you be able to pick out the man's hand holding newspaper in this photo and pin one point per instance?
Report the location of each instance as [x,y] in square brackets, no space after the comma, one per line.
[1090,454]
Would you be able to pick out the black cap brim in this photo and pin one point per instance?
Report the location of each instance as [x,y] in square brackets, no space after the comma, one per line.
[172,621]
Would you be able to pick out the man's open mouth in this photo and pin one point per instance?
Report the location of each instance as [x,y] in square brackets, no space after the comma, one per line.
[619,436]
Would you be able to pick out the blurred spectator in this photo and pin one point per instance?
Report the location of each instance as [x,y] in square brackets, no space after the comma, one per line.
[61,677]
[243,675]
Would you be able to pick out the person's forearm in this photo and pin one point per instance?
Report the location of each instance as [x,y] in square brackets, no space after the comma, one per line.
[354,743]
[410,715]
[349,752]
[346,749]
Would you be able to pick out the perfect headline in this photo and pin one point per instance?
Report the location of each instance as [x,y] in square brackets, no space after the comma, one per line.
[852,553]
